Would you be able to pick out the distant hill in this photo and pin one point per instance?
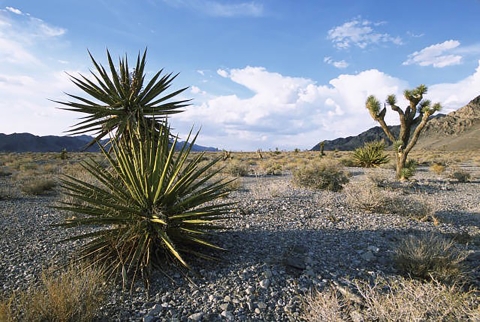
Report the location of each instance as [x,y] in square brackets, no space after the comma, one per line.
[26,142]
[456,131]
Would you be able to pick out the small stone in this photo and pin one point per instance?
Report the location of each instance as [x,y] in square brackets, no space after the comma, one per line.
[374,249]
[250,290]
[227,315]
[257,310]
[368,256]
[148,318]
[156,309]
[268,273]
[196,316]
[265,283]
[225,306]
[227,299]
[261,305]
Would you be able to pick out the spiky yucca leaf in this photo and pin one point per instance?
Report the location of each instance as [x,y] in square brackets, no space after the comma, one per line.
[370,155]
[120,101]
[153,204]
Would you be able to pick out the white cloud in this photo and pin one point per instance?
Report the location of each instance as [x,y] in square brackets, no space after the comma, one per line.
[338,64]
[359,33]
[14,10]
[222,73]
[438,55]
[219,8]
[455,95]
[287,112]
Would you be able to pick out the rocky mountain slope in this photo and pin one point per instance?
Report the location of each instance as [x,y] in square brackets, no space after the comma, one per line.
[456,131]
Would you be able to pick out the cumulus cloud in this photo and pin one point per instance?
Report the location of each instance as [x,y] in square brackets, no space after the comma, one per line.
[287,112]
[338,64]
[359,33]
[438,55]
[455,95]
[219,8]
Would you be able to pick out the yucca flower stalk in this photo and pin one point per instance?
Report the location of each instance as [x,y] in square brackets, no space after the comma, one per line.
[154,205]
[121,100]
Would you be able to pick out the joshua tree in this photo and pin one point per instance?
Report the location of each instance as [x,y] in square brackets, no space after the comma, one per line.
[322,147]
[413,118]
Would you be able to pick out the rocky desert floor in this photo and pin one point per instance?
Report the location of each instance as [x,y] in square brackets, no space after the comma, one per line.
[282,242]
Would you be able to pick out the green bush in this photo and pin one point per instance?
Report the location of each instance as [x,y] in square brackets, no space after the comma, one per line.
[460,175]
[410,169]
[370,155]
[326,175]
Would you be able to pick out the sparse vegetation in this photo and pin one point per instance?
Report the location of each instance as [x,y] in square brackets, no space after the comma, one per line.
[430,256]
[437,168]
[327,175]
[38,186]
[391,300]
[460,175]
[74,295]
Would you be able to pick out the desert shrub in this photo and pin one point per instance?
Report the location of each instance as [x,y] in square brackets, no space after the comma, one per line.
[430,256]
[459,175]
[272,168]
[154,206]
[327,175]
[236,168]
[365,195]
[391,299]
[409,206]
[5,172]
[38,186]
[370,155]
[437,168]
[378,178]
[73,295]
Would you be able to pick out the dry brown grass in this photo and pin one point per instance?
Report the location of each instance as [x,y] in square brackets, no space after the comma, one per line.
[430,256]
[392,300]
[73,295]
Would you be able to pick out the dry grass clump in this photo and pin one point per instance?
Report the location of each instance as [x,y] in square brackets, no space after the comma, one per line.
[430,256]
[368,196]
[272,168]
[324,174]
[415,207]
[437,168]
[236,168]
[392,300]
[365,195]
[38,186]
[73,295]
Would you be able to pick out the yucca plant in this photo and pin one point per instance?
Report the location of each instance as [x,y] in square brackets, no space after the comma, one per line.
[370,155]
[154,205]
[120,101]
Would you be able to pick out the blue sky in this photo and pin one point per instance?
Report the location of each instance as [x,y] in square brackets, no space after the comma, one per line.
[262,74]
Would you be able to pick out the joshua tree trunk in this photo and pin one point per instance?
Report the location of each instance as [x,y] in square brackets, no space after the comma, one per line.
[418,112]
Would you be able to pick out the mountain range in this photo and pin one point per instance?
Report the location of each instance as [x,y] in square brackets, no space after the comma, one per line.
[26,142]
[455,131]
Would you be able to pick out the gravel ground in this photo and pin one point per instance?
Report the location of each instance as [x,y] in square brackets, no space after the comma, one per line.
[283,242]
